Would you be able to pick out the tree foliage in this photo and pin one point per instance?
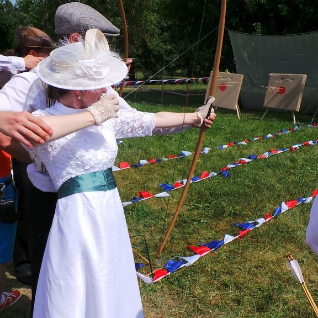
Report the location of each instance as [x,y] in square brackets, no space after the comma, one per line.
[178,37]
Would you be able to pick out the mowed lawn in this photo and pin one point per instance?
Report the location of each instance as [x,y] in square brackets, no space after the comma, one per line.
[249,277]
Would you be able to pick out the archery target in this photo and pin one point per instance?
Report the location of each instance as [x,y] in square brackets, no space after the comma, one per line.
[227,90]
[285,91]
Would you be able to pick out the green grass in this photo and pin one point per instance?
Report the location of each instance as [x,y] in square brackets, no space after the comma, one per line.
[248,277]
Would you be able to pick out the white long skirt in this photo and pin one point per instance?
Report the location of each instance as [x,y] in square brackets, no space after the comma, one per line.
[88,268]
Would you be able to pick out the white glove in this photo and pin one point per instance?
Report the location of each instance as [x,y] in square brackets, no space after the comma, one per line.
[106,108]
[203,111]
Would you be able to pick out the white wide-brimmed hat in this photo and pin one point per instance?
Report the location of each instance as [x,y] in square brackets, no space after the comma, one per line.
[83,65]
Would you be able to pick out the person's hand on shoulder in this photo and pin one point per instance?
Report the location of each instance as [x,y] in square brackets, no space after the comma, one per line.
[31,61]
[24,127]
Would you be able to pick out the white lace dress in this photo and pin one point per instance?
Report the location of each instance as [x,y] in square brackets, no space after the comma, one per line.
[88,267]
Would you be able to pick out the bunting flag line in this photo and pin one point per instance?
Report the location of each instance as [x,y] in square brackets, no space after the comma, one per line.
[191,80]
[183,154]
[144,195]
[202,249]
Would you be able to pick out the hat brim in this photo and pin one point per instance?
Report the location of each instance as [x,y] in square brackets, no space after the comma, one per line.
[72,81]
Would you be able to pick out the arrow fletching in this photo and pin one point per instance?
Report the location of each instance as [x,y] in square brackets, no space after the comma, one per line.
[295,269]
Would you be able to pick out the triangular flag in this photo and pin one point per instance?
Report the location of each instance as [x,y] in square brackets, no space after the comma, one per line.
[145,279]
[126,203]
[260,221]
[139,265]
[160,273]
[145,194]
[191,259]
[186,153]
[177,185]
[162,195]
[213,245]
[172,265]
[244,226]
[228,238]
[243,233]
[202,250]
[204,175]
[124,165]
[268,216]
[291,204]
[166,187]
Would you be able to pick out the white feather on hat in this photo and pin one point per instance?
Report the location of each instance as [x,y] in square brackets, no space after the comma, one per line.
[83,65]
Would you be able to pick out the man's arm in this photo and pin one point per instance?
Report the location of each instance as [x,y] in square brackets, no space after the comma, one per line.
[15,103]
[14,148]
[12,63]
[24,127]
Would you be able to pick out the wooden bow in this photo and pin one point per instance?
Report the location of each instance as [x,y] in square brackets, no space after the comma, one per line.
[212,88]
[123,16]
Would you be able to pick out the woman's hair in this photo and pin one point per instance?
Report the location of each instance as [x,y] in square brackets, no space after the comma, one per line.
[54,93]
[22,51]
[10,52]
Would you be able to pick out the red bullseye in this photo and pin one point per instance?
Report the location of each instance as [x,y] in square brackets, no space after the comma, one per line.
[222,87]
[282,90]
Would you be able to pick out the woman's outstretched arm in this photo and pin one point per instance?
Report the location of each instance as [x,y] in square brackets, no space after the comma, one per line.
[168,120]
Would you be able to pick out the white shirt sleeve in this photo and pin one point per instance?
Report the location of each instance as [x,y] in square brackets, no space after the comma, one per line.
[11,63]
[13,95]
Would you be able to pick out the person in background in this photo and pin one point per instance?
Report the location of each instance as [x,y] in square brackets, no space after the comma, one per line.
[30,41]
[7,227]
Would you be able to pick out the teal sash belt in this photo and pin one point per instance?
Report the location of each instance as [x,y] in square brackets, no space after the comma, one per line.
[94,181]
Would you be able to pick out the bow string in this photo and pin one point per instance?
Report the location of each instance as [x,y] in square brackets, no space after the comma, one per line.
[210,93]
[123,16]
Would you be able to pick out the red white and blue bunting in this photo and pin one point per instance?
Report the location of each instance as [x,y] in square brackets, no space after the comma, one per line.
[174,81]
[142,162]
[224,171]
[202,249]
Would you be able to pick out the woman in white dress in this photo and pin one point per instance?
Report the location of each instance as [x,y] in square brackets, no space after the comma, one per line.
[88,267]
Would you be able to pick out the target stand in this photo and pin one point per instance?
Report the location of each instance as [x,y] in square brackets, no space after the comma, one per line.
[284,91]
[227,91]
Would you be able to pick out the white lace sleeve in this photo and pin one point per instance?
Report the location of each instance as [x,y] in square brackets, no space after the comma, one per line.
[134,124]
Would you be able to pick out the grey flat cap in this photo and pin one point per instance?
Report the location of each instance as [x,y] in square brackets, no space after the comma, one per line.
[75,17]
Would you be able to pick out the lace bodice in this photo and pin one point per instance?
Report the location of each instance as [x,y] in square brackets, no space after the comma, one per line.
[90,149]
